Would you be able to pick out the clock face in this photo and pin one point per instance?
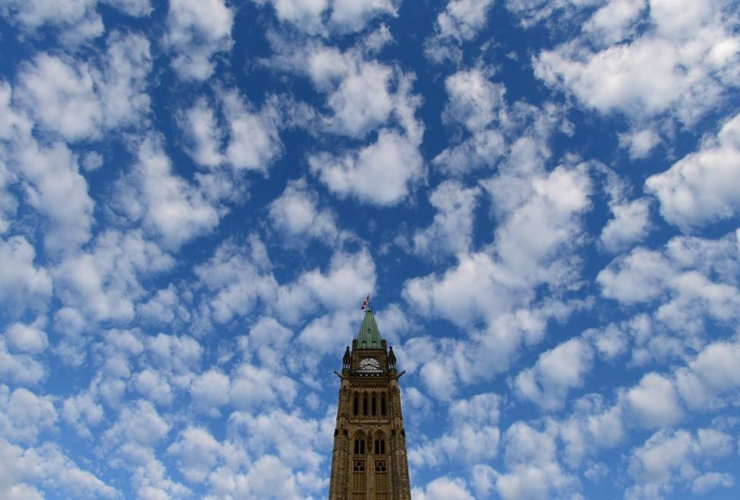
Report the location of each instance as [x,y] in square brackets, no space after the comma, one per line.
[370,365]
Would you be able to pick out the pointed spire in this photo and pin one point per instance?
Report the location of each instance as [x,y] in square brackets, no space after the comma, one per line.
[369,336]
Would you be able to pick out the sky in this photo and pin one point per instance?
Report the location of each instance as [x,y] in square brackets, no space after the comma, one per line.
[541,197]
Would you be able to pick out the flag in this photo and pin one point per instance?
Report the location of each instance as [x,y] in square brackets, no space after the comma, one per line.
[364,304]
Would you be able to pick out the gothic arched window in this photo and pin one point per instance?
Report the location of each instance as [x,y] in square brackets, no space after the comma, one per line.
[379,444]
[355,405]
[364,404]
[382,404]
[375,405]
[360,445]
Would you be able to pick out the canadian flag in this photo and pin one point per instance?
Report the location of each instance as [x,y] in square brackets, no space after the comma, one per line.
[364,304]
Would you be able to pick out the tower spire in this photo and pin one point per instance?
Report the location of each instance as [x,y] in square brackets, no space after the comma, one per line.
[369,335]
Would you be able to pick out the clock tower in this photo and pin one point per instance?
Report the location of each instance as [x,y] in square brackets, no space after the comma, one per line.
[369,457]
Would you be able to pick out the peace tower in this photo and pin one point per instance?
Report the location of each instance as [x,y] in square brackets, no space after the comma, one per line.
[369,457]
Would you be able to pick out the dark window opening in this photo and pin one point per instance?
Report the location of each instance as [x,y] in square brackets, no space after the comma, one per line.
[382,405]
[380,446]
[359,446]
[364,405]
[356,405]
[375,407]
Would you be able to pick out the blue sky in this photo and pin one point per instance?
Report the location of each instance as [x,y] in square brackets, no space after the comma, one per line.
[541,197]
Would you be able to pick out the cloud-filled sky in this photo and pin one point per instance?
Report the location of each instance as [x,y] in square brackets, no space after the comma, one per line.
[541,197]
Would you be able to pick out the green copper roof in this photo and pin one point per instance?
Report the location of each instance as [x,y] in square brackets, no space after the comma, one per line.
[369,336]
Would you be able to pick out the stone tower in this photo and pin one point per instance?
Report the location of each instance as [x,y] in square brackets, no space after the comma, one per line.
[369,457]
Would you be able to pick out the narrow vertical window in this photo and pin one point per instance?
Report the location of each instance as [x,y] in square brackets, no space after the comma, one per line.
[382,405]
[375,406]
[355,405]
[364,405]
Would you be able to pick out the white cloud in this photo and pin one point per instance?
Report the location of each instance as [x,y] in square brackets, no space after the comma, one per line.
[683,64]
[48,467]
[614,21]
[196,451]
[27,338]
[631,224]
[549,221]
[19,368]
[556,372]
[532,467]
[361,101]
[451,231]
[55,187]
[23,414]
[197,31]
[79,100]
[362,94]
[164,307]
[205,134]
[236,279]
[153,386]
[105,282]
[297,441]
[473,435]
[592,426]
[81,411]
[132,7]
[269,340]
[638,277]
[305,14]
[714,371]
[351,16]
[170,207]
[269,478]
[22,285]
[77,20]
[479,105]
[531,12]
[654,402]
[528,242]
[138,423]
[8,203]
[177,356]
[473,100]
[382,173]
[694,277]
[460,21]
[326,16]
[252,387]
[700,188]
[443,488]
[210,390]
[61,97]
[297,215]
[639,143]
[711,480]
[669,458]
[254,142]
[244,137]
